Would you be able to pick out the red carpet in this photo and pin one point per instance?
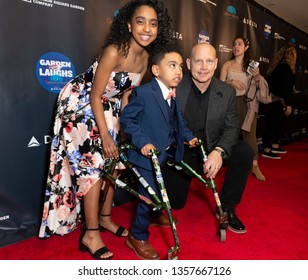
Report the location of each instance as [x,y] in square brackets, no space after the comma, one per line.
[274,213]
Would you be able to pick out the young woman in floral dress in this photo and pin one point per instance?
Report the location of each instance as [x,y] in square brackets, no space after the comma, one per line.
[87,130]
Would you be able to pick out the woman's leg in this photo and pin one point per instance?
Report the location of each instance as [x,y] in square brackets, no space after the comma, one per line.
[251,139]
[92,238]
[105,213]
[272,132]
[278,117]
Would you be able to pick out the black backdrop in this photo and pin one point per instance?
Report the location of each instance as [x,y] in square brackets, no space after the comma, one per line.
[45,42]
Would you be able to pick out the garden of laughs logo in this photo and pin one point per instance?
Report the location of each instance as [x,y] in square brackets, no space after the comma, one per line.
[53,71]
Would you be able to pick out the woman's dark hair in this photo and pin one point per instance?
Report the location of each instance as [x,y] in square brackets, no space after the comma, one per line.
[247,55]
[120,36]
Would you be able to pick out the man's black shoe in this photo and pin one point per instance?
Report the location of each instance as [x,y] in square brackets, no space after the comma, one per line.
[234,223]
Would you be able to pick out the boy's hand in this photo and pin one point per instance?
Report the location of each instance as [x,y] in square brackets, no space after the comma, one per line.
[147,149]
[192,143]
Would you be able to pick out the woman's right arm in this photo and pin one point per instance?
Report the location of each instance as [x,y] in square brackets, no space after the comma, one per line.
[224,72]
[107,63]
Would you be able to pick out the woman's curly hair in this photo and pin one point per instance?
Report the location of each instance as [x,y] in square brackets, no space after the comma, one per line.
[286,54]
[120,36]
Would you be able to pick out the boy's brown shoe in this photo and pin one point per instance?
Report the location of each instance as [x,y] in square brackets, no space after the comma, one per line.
[142,248]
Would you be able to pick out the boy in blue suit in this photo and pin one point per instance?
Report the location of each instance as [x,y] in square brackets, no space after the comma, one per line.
[152,120]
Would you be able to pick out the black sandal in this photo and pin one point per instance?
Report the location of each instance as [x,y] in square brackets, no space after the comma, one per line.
[84,248]
[119,231]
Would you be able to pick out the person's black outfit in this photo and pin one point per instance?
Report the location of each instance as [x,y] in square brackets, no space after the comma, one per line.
[281,82]
[212,117]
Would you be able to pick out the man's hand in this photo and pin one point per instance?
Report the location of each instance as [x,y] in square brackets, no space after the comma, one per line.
[212,165]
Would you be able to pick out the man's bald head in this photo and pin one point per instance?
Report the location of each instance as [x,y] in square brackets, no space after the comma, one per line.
[202,65]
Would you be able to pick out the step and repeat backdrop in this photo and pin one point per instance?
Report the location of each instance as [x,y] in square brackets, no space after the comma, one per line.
[44,43]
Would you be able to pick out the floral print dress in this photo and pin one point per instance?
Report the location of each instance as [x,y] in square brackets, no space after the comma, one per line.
[76,158]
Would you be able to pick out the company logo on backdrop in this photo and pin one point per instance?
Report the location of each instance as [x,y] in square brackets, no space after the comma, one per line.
[263,59]
[35,143]
[207,1]
[203,37]
[177,35]
[302,47]
[292,41]
[54,70]
[110,20]
[278,36]
[231,12]
[250,22]
[225,49]
[267,30]
[52,3]
[3,218]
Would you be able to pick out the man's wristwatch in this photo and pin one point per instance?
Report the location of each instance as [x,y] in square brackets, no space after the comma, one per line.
[221,152]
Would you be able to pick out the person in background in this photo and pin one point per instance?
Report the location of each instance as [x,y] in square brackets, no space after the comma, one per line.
[209,107]
[87,128]
[281,81]
[234,72]
[153,120]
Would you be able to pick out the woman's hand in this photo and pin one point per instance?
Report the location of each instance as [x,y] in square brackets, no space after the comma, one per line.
[110,149]
[255,74]
[238,84]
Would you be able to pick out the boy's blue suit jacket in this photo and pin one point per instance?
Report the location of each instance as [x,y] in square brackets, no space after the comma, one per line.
[145,120]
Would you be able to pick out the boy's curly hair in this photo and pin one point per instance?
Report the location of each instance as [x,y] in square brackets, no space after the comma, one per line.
[120,36]
[159,53]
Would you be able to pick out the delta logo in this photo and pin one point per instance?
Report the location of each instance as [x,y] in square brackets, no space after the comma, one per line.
[177,35]
[54,70]
[33,143]
[250,22]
